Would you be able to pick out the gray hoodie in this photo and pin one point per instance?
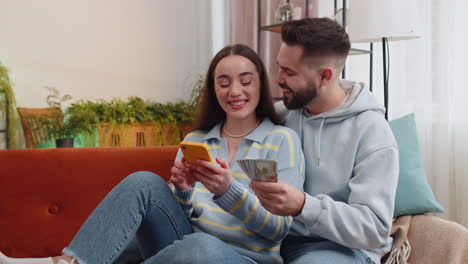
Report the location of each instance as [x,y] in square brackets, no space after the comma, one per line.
[351,172]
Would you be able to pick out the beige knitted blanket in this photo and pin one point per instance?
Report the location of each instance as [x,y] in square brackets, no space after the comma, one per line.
[401,248]
[435,241]
[429,240]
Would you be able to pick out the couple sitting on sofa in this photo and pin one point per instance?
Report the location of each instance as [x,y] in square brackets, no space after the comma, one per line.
[343,206]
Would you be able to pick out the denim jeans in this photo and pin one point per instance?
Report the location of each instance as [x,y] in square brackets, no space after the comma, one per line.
[299,250]
[143,206]
[199,248]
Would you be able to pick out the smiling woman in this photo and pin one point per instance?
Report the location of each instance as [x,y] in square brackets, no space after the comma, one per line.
[237,89]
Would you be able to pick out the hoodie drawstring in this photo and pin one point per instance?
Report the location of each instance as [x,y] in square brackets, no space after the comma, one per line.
[301,133]
[317,144]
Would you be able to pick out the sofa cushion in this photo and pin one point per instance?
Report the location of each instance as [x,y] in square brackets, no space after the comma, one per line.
[414,195]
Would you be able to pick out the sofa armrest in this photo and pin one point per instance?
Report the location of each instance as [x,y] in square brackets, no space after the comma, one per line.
[47,194]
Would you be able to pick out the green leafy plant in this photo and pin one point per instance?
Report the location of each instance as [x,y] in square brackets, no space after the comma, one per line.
[117,114]
[135,110]
[68,124]
[8,105]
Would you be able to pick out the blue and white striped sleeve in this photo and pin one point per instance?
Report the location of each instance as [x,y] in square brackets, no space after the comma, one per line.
[185,199]
[241,202]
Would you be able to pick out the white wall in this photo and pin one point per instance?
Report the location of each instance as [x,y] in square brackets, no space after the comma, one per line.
[104,48]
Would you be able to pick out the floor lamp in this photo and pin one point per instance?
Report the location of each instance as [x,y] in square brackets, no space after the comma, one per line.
[383,21]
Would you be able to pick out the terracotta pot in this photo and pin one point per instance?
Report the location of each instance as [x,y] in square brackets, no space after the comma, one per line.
[129,135]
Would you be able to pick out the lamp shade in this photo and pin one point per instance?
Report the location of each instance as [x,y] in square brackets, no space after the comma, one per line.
[372,20]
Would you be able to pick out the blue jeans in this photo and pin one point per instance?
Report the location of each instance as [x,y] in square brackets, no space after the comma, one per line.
[142,205]
[299,250]
[199,248]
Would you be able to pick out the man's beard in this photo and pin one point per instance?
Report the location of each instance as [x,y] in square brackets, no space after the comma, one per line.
[298,100]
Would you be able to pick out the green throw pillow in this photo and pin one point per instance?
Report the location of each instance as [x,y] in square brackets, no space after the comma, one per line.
[414,195]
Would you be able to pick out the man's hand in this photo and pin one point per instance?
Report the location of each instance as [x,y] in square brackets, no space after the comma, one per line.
[280,198]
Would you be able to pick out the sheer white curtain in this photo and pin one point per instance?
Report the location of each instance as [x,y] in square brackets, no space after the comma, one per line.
[428,78]
[449,152]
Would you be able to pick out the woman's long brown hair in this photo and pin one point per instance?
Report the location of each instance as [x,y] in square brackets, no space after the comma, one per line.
[211,113]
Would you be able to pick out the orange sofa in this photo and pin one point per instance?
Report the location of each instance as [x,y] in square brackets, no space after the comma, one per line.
[47,194]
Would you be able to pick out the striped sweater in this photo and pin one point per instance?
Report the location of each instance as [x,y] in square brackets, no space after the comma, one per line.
[237,217]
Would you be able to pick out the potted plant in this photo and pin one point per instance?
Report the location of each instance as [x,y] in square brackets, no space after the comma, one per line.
[7,105]
[136,121]
[184,114]
[126,123]
[64,127]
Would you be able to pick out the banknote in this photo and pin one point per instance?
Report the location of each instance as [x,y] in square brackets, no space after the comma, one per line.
[259,169]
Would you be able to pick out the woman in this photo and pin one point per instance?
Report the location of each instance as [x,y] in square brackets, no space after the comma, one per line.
[213,216]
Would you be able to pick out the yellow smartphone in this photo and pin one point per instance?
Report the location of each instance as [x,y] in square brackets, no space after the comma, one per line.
[194,151]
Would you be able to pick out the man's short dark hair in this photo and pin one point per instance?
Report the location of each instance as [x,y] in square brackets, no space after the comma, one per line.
[318,36]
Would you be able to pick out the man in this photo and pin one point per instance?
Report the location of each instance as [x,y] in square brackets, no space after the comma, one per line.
[345,213]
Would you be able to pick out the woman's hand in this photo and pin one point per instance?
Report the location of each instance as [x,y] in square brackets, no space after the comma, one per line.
[182,175]
[217,179]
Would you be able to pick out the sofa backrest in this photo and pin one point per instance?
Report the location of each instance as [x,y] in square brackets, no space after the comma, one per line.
[46,194]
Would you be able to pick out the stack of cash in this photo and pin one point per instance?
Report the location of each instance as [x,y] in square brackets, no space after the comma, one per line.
[259,169]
